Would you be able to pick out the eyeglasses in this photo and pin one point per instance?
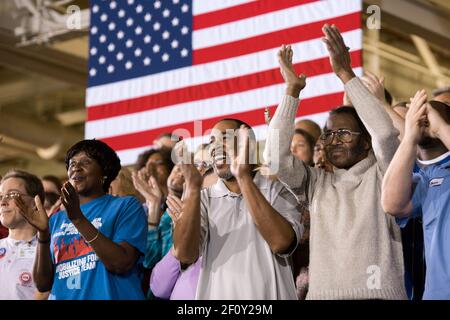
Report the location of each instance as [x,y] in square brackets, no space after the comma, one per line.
[202,165]
[11,195]
[344,135]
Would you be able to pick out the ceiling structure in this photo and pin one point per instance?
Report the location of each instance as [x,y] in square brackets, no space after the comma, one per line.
[43,70]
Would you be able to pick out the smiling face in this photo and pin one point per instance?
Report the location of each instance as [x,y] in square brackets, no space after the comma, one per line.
[344,155]
[85,174]
[157,167]
[301,149]
[10,216]
[223,144]
[176,180]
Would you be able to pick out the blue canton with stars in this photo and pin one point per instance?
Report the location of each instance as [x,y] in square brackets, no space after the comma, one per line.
[133,38]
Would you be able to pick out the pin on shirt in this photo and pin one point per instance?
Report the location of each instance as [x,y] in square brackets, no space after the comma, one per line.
[2,252]
[27,252]
[436,182]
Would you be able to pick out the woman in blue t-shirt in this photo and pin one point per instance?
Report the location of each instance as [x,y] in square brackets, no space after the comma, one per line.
[90,250]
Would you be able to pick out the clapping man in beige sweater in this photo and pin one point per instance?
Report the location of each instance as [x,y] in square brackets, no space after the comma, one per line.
[355,247]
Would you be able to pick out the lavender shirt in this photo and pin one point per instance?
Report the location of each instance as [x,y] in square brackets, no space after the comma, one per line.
[168,281]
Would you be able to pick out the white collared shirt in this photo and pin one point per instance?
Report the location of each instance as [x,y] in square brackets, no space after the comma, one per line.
[16,269]
[237,262]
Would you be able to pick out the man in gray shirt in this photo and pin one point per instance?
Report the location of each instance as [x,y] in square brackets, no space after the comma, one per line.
[245,226]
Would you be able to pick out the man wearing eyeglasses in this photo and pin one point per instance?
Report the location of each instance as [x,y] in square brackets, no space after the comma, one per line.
[17,251]
[355,247]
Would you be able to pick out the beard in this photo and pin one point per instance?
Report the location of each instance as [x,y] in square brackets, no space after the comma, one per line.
[351,156]
[176,188]
[426,142]
[224,174]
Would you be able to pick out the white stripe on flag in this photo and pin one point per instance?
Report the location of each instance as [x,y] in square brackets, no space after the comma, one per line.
[204,6]
[209,72]
[207,108]
[273,21]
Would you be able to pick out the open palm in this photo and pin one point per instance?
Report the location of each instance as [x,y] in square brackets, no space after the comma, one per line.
[240,165]
[149,189]
[36,217]
[287,70]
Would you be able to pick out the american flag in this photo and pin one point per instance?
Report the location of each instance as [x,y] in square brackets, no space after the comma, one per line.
[158,66]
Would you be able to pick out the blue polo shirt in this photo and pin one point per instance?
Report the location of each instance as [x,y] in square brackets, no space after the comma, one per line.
[431,201]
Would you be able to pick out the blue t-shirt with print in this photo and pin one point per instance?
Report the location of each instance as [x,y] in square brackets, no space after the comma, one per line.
[79,274]
[431,201]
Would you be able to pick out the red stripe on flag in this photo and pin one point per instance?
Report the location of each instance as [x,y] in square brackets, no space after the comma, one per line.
[274,39]
[254,118]
[242,11]
[212,89]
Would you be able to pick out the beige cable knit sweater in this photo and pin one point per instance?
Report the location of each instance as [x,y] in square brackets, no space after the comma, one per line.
[355,247]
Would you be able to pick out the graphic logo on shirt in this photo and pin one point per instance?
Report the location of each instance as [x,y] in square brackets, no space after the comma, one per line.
[72,254]
[436,182]
[25,278]
[71,270]
[76,247]
[2,252]
[67,248]
[68,229]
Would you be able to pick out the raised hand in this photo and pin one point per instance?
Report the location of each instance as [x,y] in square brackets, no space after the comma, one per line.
[192,176]
[416,120]
[240,164]
[144,173]
[152,194]
[339,54]
[71,201]
[148,188]
[36,217]
[293,82]
[175,208]
[435,119]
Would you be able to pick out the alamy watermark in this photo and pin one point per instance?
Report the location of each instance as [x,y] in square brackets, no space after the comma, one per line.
[73,21]
[374,20]
[374,279]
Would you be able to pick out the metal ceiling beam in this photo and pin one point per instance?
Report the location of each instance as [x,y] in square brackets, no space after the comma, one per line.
[429,59]
[26,88]
[29,161]
[425,21]
[43,60]
[401,60]
[72,117]
[47,139]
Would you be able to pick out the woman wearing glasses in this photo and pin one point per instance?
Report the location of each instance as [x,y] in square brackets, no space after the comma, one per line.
[92,248]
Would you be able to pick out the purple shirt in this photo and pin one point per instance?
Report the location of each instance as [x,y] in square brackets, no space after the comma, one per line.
[168,281]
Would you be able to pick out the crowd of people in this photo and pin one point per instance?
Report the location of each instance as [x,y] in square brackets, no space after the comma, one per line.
[319,216]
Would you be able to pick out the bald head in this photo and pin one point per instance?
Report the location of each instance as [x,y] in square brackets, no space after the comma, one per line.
[443,97]
[310,127]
